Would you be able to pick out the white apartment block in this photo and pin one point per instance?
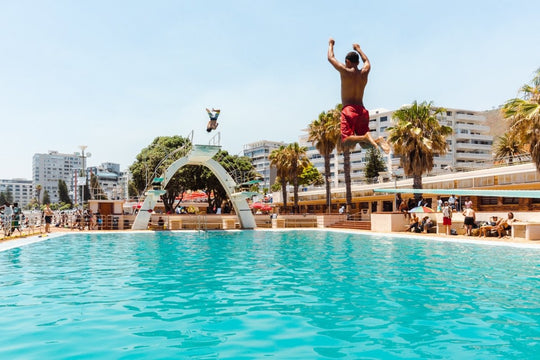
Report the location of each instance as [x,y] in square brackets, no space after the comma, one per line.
[111,180]
[259,152]
[48,168]
[21,190]
[469,147]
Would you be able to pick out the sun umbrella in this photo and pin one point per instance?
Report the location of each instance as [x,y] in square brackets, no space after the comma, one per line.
[421,209]
[257,205]
[194,195]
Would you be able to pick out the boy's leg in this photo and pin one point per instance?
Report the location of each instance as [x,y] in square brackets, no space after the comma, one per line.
[356,139]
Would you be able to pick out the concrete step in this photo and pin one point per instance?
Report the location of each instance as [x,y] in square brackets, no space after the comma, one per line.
[349,224]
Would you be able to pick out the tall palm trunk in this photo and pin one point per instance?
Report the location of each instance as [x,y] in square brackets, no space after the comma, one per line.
[295,188]
[347,174]
[327,183]
[417,184]
[284,194]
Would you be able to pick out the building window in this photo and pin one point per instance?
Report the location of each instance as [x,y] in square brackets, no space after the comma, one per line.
[488,200]
[384,118]
[510,201]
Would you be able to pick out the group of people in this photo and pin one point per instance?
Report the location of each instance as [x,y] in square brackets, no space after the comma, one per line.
[499,226]
[79,219]
[12,218]
[419,226]
[448,208]
[403,206]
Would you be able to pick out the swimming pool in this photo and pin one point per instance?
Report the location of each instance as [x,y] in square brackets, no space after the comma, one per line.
[280,294]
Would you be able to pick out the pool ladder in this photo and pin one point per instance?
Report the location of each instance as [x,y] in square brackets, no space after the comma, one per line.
[202,223]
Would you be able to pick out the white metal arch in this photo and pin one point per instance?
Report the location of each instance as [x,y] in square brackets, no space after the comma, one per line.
[199,155]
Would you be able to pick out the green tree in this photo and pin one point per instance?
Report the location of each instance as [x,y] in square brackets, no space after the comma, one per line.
[311,176]
[95,189]
[374,163]
[38,192]
[507,148]
[323,135]
[46,197]
[9,196]
[239,167]
[278,159]
[154,159]
[346,151]
[297,161]
[524,116]
[417,136]
[132,190]
[33,204]
[63,193]
[3,199]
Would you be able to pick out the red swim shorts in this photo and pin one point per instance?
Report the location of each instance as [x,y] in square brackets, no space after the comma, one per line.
[446,220]
[354,121]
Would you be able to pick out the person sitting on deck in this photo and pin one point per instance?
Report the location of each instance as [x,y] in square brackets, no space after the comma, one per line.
[505,225]
[426,224]
[403,208]
[414,224]
[486,229]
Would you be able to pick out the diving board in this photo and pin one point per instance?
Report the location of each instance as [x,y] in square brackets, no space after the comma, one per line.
[198,155]
[533,194]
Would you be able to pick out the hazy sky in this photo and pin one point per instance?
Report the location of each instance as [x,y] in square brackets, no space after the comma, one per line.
[113,75]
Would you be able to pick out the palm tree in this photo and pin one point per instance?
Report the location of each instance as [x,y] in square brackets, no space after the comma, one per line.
[323,136]
[38,192]
[345,150]
[297,160]
[278,159]
[524,114]
[417,136]
[508,148]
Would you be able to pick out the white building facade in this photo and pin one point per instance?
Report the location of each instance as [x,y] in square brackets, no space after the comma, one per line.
[48,168]
[21,190]
[259,152]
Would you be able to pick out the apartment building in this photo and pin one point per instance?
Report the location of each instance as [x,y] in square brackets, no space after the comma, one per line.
[48,168]
[21,190]
[259,152]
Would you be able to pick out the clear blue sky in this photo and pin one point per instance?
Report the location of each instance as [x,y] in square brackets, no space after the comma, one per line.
[113,75]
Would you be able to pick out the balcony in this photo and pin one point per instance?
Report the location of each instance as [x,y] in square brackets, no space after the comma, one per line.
[468,146]
[473,156]
[473,118]
[479,128]
[459,136]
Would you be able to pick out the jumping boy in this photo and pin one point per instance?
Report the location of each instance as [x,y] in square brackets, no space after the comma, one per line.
[212,124]
[354,116]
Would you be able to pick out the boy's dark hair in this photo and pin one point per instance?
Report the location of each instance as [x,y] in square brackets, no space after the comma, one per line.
[353,57]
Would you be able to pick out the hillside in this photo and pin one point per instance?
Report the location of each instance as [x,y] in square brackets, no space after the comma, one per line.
[496,122]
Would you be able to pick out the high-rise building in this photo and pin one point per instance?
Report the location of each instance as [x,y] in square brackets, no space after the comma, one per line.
[259,152]
[48,168]
[20,190]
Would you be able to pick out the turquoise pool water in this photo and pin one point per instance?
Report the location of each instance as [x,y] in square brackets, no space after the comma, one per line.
[256,294]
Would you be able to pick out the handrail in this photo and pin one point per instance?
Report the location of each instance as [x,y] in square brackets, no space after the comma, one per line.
[187,146]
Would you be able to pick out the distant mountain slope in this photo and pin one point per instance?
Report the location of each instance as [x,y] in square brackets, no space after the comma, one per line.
[496,122]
